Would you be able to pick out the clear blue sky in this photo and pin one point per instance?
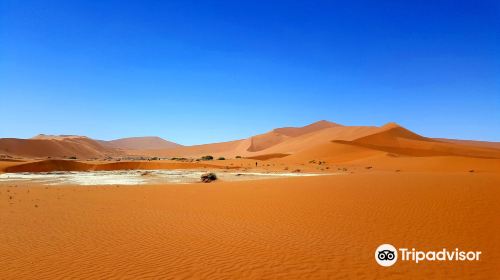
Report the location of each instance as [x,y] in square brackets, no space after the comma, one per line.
[207,71]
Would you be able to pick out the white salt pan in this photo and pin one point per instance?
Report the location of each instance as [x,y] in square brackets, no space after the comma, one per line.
[134,177]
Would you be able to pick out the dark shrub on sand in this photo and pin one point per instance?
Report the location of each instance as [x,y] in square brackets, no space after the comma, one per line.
[207,158]
[208,177]
[221,158]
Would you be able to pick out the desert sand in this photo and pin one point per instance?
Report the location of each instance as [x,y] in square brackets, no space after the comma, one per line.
[378,185]
[300,228]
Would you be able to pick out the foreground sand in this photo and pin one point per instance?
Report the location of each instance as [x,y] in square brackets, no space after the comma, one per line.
[314,228]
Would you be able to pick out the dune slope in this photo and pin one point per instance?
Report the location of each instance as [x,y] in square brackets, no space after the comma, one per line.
[69,165]
[321,139]
[278,141]
[60,146]
[395,139]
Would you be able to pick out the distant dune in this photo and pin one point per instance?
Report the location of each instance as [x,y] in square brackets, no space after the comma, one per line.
[140,143]
[280,135]
[297,131]
[484,144]
[286,140]
[319,140]
[69,165]
[55,146]
[398,140]
[350,143]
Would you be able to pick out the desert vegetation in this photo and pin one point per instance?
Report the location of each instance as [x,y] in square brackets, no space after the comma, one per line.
[207,158]
[208,177]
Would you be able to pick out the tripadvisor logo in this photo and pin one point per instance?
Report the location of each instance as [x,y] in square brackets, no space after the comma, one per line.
[387,255]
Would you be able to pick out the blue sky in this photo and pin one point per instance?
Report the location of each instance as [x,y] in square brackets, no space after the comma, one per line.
[207,71]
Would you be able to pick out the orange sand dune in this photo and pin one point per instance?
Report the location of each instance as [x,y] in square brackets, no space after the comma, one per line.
[268,156]
[428,164]
[5,164]
[279,135]
[264,141]
[317,137]
[333,152]
[252,146]
[55,146]
[297,131]
[68,165]
[49,165]
[353,156]
[279,141]
[396,139]
[227,149]
[303,228]
[313,141]
[484,144]
[324,136]
[243,147]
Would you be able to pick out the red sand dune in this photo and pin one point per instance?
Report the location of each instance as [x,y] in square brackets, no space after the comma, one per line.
[351,143]
[251,146]
[69,165]
[55,146]
[313,141]
[484,144]
[268,156]
[227,149]
[310,140]
[391,162]
[396,139]
[278,141]
[333,152]
[279,135]
[297,131]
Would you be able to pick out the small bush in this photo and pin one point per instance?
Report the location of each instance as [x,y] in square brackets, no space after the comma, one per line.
[179,158]
[207,158]
[72,157]
[221,158]
[238,156]
[208,177]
